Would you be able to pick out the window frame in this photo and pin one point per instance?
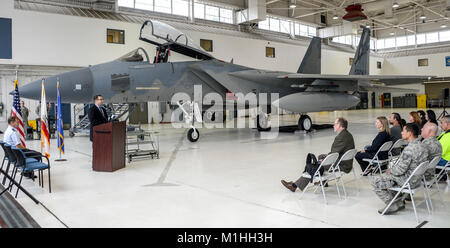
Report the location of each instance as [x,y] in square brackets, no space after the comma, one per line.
[119,30]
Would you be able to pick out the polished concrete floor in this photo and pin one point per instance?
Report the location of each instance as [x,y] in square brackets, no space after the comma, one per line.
[230,178]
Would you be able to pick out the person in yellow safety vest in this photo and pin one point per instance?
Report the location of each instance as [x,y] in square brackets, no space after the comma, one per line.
[444,138]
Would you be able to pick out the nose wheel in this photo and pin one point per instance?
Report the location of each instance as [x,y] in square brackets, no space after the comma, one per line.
[193,135]
[305,123]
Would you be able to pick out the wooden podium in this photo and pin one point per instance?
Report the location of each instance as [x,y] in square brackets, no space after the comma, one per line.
[109,146]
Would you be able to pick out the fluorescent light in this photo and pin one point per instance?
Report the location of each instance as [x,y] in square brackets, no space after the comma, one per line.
[395,5]
[443,26]
[292,6]
[335,17]
[423,16]
[392,33]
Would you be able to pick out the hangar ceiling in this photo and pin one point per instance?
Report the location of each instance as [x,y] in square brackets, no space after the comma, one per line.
[385,17]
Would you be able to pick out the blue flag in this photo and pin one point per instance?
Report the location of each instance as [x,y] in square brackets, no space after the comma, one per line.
[60,132]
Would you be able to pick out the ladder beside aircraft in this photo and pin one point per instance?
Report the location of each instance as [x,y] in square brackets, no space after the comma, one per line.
[115,112]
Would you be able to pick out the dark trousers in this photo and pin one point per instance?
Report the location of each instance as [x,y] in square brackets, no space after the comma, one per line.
[362,155]
[302,182]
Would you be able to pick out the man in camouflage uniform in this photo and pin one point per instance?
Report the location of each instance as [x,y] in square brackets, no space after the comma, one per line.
[412,156]
[429,132]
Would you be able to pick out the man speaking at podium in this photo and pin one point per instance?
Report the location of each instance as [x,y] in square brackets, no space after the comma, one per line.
[97,114]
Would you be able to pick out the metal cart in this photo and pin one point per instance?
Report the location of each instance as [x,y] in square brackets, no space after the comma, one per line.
[137,142]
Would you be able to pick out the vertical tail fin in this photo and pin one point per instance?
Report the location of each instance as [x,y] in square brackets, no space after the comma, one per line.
[360,64]
[311,63]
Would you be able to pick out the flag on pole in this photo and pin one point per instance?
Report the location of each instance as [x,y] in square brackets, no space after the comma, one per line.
[60,131]
[45,138]
[17,112]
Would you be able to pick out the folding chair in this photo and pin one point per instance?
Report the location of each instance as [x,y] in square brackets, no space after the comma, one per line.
[31,164]
[11,159]
[406,188]
[428,184]
[329,160]
[375,161]
[397,145]
[444,169]
[348,155]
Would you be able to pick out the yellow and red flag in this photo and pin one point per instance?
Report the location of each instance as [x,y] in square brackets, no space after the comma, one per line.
[45,134]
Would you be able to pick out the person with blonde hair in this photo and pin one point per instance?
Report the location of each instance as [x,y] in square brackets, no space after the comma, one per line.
[414,117]
[383,136]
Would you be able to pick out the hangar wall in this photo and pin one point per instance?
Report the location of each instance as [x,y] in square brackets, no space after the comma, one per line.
[60,40]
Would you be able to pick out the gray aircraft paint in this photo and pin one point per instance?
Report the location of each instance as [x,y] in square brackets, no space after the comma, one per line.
[134,82]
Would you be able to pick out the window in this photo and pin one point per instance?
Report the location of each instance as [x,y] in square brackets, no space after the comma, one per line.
[226,15]
[274,25]
[372,44]
[127,3]
[285,27]
[199,10]
[348,39]
[411,39]
[115,36]
[422,62]
[164,6]
[444,35]
[212,13]
[420,39]
[264,24]
[378,65]
[312,31]
[380,44]
[401,41]
[270,52]
[180,7]
[303,30]
[207,45]
[432,37]
[144,4]
[389,43]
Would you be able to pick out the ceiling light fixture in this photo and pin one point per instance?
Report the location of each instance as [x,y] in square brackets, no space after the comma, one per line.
[392,33]
[395,5]
[292,6]
[443,26]
[335,17]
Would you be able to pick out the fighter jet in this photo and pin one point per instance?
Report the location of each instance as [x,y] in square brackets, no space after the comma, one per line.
[133,78]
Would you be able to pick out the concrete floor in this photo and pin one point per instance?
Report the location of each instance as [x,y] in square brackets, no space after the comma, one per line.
[230,178]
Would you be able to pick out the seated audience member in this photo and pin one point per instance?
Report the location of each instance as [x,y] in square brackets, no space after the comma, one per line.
[422,116]
[412,156]
[11,138]
[396,130]
[382,137]
[341,144]
[444,139]
[415,118]
[433,146]
[431,117]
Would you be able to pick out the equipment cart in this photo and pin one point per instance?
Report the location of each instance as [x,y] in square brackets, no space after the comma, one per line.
[142,143]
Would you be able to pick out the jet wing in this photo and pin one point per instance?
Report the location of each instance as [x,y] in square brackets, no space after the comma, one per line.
[386,79]
[382,89]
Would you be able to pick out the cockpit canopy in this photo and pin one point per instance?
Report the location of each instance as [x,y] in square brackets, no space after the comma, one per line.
[137,55]
[162,34]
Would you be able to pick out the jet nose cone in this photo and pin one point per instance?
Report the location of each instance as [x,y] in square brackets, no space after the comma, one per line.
[31,90]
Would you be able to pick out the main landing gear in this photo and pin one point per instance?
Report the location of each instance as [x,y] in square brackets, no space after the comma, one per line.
[305,123]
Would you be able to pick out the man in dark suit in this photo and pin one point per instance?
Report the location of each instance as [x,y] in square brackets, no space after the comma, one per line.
[342,143]
[97,114]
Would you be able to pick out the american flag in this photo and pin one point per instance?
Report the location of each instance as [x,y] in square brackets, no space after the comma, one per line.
[16,111]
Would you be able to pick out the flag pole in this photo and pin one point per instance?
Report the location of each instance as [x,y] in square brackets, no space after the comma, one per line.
[59,129]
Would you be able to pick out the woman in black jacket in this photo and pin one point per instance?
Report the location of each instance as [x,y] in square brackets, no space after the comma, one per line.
[369,151]
[431,117]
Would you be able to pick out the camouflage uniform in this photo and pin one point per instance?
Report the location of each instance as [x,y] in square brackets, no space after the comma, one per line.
[412,156]
[434,150]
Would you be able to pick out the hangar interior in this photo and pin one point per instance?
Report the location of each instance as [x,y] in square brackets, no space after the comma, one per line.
[230,177]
